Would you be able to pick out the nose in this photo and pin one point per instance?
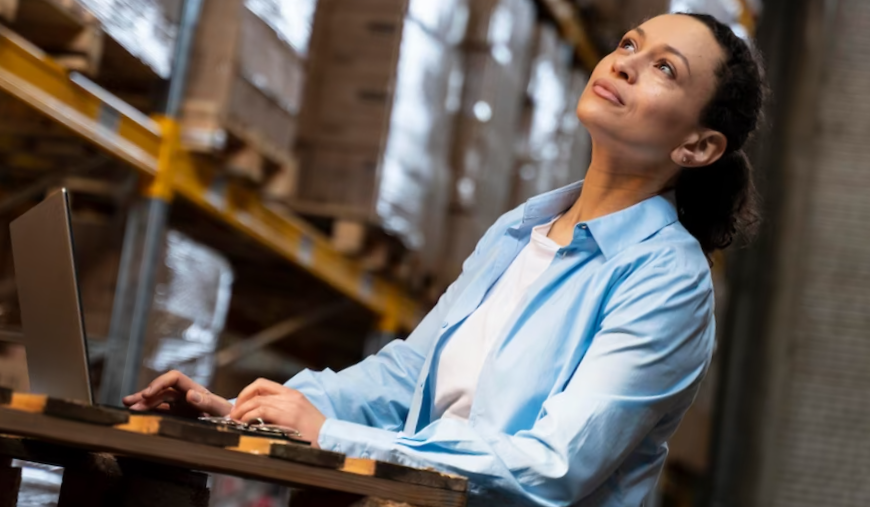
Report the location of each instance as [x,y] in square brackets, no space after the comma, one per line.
[624,68]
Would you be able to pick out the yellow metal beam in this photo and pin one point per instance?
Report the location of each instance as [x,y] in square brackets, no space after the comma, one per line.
[122,131]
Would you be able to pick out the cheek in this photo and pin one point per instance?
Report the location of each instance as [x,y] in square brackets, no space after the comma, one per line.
[664,115]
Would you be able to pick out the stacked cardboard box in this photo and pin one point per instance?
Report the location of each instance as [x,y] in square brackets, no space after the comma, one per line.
[246,81]
[552,148]
[497,55]
[378,114]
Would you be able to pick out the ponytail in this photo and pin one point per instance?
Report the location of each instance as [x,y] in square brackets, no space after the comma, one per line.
[717,202]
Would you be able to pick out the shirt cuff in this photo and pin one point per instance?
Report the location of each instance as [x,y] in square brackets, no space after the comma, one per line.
[357,440]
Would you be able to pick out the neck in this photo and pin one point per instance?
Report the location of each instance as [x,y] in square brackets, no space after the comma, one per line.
[614,183]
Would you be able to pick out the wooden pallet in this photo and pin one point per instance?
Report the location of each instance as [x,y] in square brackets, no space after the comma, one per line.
[246,158]
[61,28]
[193,445]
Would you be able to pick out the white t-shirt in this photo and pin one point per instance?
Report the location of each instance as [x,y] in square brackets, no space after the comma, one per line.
[464,353]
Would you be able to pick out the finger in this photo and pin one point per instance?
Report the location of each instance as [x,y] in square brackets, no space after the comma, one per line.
[259,387]
[132,399]
[173,379]
[267,413]
[209,403]
[278,405]
[165,396]
[241,409]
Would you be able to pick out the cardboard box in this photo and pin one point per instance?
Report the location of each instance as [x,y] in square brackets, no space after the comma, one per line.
[379,117]
[244,79]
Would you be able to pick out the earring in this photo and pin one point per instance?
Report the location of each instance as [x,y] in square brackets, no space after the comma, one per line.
[685,159]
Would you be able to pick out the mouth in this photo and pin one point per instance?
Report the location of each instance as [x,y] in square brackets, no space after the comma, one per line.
[607,91]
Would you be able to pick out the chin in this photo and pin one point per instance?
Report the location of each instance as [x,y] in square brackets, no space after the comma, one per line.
[595,117]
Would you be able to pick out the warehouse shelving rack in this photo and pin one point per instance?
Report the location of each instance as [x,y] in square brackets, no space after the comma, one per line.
[151,146]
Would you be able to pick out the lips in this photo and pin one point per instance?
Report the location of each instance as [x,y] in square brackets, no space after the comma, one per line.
[607,91]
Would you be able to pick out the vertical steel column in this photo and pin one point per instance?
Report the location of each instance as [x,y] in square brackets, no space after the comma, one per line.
[144,237]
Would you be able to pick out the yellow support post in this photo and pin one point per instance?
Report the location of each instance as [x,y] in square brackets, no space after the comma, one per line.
[160,186]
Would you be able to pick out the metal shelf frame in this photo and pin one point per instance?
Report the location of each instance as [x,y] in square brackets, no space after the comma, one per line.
[140,141]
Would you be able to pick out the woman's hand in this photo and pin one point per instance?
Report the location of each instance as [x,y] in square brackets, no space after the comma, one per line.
[281,406]
[177,394]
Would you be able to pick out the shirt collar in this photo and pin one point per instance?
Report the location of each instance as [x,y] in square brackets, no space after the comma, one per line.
[616,231]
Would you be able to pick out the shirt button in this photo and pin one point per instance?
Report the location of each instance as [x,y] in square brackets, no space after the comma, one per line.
[582,226]
[444,326]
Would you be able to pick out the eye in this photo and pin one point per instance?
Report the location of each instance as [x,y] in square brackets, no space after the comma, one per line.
[627,44]
[667,68]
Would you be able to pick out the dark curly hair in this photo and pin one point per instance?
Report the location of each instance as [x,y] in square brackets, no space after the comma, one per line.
[719,202]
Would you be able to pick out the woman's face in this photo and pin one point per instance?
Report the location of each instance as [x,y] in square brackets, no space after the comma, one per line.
[645,99]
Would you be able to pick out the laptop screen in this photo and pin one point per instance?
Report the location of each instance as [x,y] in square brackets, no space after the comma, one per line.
[48,294]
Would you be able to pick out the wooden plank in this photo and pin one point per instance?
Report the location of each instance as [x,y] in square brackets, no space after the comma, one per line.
[399,473]
[359,466]
[85,413]
[39,403]
[290,452]
[24,402]
[210,459]
[181,430]
[431,478]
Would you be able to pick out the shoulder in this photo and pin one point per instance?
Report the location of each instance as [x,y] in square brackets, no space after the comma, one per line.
[671,258]
[512,218]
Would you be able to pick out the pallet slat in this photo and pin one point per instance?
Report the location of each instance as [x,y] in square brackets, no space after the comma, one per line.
[180,430]
[290,452]
[400,473]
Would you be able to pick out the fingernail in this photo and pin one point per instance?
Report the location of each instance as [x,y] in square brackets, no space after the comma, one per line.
[196,397]
[147,391]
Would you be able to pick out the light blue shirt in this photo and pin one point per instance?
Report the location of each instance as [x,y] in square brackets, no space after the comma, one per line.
[582,389]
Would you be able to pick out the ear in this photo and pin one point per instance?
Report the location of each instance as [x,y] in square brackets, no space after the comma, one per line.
[700,149]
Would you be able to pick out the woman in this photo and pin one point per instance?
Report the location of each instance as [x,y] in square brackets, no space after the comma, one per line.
[555,368]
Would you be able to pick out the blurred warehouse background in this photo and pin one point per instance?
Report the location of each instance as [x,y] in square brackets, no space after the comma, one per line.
[262,186]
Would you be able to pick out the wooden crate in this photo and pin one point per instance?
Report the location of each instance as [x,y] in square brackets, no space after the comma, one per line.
[62,28]
[243,95]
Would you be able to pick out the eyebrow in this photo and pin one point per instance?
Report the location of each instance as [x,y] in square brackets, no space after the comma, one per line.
[669,49]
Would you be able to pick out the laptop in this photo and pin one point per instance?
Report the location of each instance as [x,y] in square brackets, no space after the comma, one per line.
[48,294]
[51,312]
